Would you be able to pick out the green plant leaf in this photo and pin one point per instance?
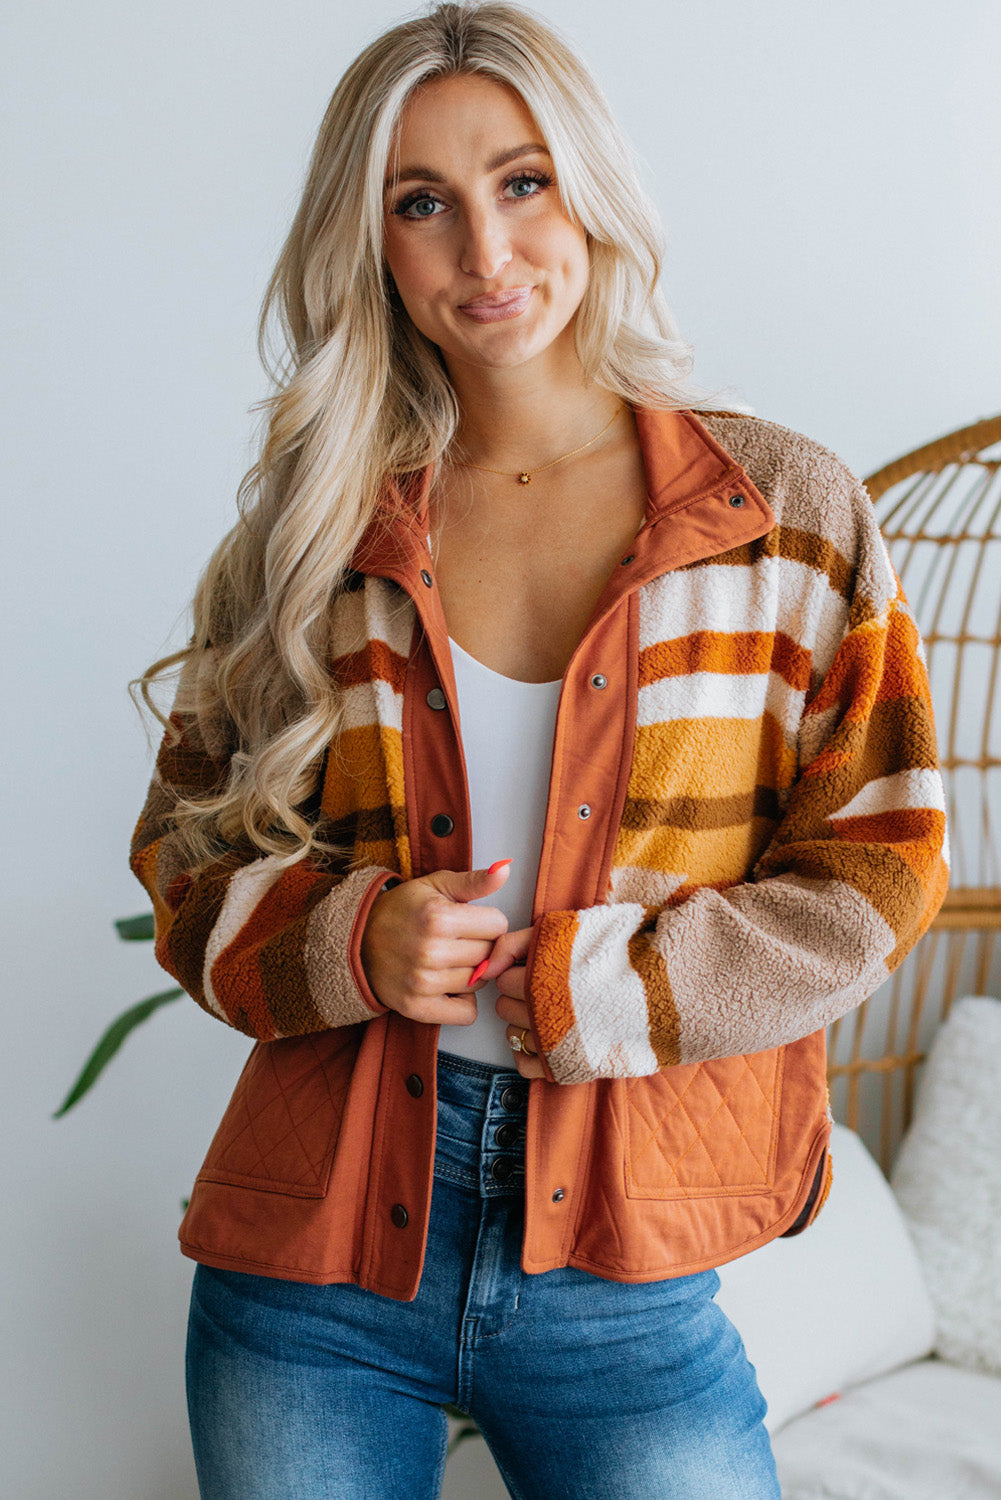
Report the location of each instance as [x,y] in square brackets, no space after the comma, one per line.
[467,1430]
[467,1427]
[110,1043]
[136,929]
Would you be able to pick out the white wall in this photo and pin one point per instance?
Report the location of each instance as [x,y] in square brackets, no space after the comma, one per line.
[828,176]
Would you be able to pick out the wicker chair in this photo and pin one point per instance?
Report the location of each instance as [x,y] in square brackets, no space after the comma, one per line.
[940,512]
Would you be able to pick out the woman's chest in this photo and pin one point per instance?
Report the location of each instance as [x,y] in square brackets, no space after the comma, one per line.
[519,582]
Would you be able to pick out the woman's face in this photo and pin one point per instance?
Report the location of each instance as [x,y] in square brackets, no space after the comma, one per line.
[485,260]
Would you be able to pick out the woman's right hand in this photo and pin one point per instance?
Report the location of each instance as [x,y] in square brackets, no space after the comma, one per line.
[423,940]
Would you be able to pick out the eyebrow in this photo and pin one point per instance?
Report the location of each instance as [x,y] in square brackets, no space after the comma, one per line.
[428,174]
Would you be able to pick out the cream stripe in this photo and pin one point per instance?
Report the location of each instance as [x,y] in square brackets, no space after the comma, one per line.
[720,695]
[389,615]
[246,888]
[372,705]
[902,790]
[774,593]
[609,1000]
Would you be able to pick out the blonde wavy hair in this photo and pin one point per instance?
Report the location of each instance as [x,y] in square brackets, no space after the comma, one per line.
[359,393]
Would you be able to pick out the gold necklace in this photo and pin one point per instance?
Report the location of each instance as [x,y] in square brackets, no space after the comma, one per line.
[525,476]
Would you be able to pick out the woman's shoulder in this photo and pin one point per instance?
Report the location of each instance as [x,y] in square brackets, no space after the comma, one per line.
[806,483]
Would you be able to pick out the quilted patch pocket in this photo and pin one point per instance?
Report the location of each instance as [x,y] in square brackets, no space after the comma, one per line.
[281,1125]
[704,1129]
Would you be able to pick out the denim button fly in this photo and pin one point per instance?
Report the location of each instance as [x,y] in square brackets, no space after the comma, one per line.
[482,1114]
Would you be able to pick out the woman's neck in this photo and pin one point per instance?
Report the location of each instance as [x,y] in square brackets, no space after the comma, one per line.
[523,418]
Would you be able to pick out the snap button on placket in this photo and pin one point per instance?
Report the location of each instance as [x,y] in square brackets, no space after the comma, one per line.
[436,699]
[599,680]
[583,812]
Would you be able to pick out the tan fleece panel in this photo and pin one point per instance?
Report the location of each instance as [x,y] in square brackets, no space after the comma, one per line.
[876,871]
[327,951]
[568,1061]
[759,966]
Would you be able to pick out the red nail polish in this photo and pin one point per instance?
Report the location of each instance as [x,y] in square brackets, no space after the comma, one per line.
[499,865]
[478,971]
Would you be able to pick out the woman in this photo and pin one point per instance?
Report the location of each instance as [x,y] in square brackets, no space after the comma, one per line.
[533,728]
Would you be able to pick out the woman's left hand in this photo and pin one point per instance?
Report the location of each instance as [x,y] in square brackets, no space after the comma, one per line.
[507,970]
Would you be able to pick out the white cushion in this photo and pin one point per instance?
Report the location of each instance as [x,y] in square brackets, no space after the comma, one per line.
[947,1178]
[928,1432]
[837,1304]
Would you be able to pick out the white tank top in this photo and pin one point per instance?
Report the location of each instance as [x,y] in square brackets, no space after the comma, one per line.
[507,731]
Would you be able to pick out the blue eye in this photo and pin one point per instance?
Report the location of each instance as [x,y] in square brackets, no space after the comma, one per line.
[423,204]
[535,180]
[417,200]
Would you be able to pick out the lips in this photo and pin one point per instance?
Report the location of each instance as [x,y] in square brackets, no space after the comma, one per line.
[496,299]
[494,307]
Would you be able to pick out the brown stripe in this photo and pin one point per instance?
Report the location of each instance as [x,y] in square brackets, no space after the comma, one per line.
[903,674]
[697,813]
[898,736]
[365,825]
[795,545]
[662,1015]
[915,833]
[874,664]
[741,653]
[185,769]
[197,904]
[284,971]
[374,661]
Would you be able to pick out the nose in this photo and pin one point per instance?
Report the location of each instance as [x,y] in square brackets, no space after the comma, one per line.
[486,248]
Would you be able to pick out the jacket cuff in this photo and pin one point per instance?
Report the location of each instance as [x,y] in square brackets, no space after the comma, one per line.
[381,881]
[538,1011]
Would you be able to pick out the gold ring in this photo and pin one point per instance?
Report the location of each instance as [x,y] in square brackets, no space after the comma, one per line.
[517,1043]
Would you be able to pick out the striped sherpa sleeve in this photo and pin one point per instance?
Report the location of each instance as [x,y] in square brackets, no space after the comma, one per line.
[854,874]
[272,951]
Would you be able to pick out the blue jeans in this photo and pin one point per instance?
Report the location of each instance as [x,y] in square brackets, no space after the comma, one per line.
[584,1388]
